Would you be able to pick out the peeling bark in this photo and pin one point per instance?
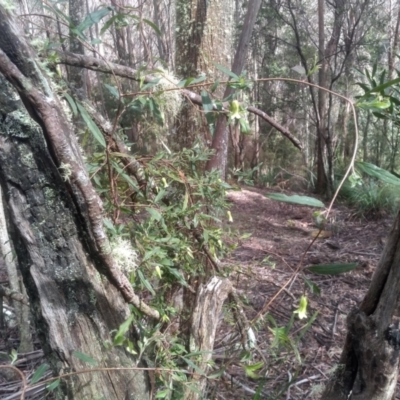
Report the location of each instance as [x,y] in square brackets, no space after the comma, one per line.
[209,301]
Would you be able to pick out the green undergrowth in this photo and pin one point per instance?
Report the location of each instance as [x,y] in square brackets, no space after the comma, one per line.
[370,198]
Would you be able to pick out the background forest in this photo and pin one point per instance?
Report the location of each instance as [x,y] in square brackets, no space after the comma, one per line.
[126,128]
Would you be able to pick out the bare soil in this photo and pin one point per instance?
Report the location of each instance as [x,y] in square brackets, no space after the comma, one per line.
[266,262]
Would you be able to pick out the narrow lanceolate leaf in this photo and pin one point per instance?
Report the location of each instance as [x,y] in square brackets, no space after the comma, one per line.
[384,86]
[153,25]
[113,90]
[85,358]
[39,373]
[72,103]
[91,125]
[119,337]
[226,71]
[208,107]
[207,102]
[332,269]
[379,173]
[94,18]
[302,200]
[53,385]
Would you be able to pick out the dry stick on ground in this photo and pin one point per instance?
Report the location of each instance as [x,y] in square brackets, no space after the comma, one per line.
[23,379]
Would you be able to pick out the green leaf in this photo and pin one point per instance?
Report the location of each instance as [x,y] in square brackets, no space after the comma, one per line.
[125,176]
[151,84]
[85,358]
[39,373]
[193,365]
[216,374]
[53,385]
[226,71]
[162,394]
[120,335]
[153,25]
[177,275]
[214,87]
[314,288]
[155,215]
[250,369]
[380,88]
[332,269]
[380,104]
[113,90]
[302,200]
[91,125]
[94,18]
[379,173]
[109,225]
[207,102]
[145,282]
[200,79]
[208,107]
[71,102]
[109,23]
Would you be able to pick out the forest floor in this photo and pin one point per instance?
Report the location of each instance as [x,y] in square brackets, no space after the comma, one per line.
[266,261]
[274,238]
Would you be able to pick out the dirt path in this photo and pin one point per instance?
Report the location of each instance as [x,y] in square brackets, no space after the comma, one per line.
[265,261]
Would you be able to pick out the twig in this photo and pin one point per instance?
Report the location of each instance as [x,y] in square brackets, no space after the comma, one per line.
[242,385]
[311,378]
[335,322]
[13,295]
[23,379]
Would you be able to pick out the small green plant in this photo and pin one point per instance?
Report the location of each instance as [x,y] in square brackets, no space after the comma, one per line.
[370,198]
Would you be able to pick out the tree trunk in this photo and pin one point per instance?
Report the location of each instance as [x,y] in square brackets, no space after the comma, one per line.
[204,37]
[21,310]
[368,366]
[77,76]
[58,234]
[204,323]
[220,139]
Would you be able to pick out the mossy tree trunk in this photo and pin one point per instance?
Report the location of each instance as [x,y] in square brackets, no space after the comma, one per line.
[57,235]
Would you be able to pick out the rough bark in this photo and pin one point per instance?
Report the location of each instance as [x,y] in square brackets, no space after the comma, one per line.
[77,76]
[45,108]
[74,309]
[209,301]
[61,244]
[368,366]
[204,37]
[21,309]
